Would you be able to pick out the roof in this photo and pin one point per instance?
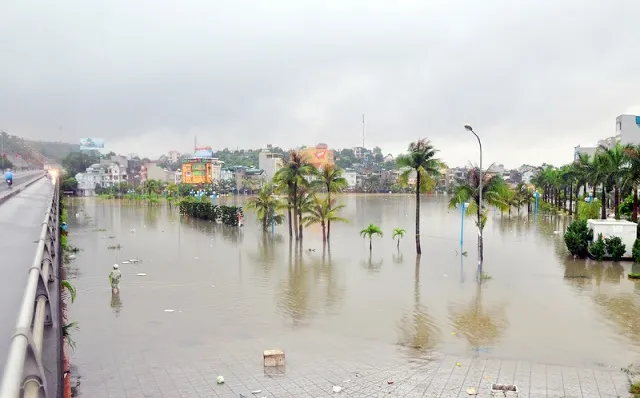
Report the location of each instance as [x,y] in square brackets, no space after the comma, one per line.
[612,222]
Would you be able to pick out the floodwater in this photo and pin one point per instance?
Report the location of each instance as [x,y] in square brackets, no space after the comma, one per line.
[223,283]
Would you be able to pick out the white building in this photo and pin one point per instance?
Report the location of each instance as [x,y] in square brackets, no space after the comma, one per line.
[351,177]
[173,156]
[94,176]
[116,174]
[628,127]
[270,163]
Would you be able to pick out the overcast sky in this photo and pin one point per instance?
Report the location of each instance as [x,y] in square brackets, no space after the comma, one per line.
[534,78]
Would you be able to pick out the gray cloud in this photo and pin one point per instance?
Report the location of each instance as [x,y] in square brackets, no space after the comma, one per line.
[534,78]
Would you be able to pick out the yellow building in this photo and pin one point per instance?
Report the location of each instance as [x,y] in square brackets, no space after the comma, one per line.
[319,156]
[200,170]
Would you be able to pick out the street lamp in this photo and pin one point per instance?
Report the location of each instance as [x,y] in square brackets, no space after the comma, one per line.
[480,255]
[464,207]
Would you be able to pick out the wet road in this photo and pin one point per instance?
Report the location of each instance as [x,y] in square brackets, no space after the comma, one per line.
[20,222]
[20,178]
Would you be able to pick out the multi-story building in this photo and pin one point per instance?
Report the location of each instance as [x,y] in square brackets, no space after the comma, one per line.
[173,156]
[151,171]
[351,177]
[270,163]
[94,176]
[628,128]
[116,174]
[319,156]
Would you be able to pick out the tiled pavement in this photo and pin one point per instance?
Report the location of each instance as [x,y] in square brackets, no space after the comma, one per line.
[312,371]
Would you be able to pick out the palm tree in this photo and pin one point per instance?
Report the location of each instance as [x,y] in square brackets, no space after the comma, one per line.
[330,177]
[265,204]
[306,198]
[421,160]
[618,167]
[633,177]
[371,230]
[493,193]
[290,178]
[581,166]
[399,234]
[599,175]
[323,211]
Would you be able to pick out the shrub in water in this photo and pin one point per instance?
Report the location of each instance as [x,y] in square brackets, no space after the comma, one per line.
[588,211]
[598,248]
[577,238]
[635,252]
[204,210]
[615,247]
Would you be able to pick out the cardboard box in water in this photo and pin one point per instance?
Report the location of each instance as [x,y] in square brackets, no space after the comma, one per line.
[274,358]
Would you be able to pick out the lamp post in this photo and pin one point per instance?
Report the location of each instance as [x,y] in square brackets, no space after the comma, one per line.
[536,195]
[464,208]
[480,254]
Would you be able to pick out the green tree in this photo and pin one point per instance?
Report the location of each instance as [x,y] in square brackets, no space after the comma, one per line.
[266,204]
[331,179]
[398,233]
[493,193]
[617,167]
[69,184]
[369,232]
[290,178]
[78,162]
[421,159]
[323,211]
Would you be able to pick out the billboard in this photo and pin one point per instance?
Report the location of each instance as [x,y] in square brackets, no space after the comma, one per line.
[203,152]
[319,156]
[91,143]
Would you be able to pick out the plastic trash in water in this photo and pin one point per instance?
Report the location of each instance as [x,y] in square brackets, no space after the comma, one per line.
[141,274]
[337,388]
[219,379]
[168,310]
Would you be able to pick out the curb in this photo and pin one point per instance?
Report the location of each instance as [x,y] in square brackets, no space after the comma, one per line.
[18,189]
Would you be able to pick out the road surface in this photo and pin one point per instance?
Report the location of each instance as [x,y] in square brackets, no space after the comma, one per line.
[20,178]
[20,224]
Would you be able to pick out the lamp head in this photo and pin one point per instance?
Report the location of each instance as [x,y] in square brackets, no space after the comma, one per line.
[468,127]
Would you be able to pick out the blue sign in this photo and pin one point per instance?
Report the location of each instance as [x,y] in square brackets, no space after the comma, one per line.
[91,144]
[638,120]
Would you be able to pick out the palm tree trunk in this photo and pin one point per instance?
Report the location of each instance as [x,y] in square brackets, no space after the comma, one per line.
[603,211]
[616,201]
[324,232]
[370,245]
[571,199]
[635,202]
[264,221]
[398,245]
[418,248]
[328,221]
[594,191]
[290,222]
[300,224]
[295,210]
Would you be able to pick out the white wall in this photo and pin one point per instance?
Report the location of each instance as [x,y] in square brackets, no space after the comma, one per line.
[628,126]
[351,177]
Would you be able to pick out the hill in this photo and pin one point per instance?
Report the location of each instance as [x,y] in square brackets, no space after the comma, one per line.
[19,152]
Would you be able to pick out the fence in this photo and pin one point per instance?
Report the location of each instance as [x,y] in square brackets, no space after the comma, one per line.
[24,373]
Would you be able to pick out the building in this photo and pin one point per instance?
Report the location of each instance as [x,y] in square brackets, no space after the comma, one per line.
[319,156]
[94,176]
[151,171]
[628,128]
[581,150]
[352,178]
[198,170]
[173,156]
[270,163]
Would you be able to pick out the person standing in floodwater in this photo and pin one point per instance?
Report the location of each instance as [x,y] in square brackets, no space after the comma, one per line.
[114,279]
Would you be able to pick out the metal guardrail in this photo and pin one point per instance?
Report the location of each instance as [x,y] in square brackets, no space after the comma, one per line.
[24,374]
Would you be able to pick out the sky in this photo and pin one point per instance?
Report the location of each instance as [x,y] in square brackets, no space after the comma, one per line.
[534,78]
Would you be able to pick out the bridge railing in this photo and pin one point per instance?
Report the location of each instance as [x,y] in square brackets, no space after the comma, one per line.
[24,373]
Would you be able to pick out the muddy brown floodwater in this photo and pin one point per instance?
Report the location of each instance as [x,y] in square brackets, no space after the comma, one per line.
[239,284]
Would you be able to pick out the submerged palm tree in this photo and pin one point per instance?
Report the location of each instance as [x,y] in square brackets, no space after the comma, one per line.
[323,211]
[266,204]
[368,232]
[493,193]
[331,179]
[399,234]
[290,178]
[421,160]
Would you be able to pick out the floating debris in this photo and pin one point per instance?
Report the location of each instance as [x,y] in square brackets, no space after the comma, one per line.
[472,391]
[337,388]
[173,311]
[256,392]
[219,379]
[126,262]
[141,274]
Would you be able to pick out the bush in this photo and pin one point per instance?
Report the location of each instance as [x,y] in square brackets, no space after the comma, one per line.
[598,248]
[588,211]
[626,206]
[204,210]
[615,247]
[635,252]
[577,238]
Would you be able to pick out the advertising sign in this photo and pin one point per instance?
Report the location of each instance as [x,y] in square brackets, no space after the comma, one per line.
[91,143]
[203,152]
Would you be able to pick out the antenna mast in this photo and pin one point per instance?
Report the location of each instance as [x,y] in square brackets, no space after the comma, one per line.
[363,130]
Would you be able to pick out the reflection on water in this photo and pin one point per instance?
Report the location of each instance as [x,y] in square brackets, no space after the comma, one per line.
[240,283]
